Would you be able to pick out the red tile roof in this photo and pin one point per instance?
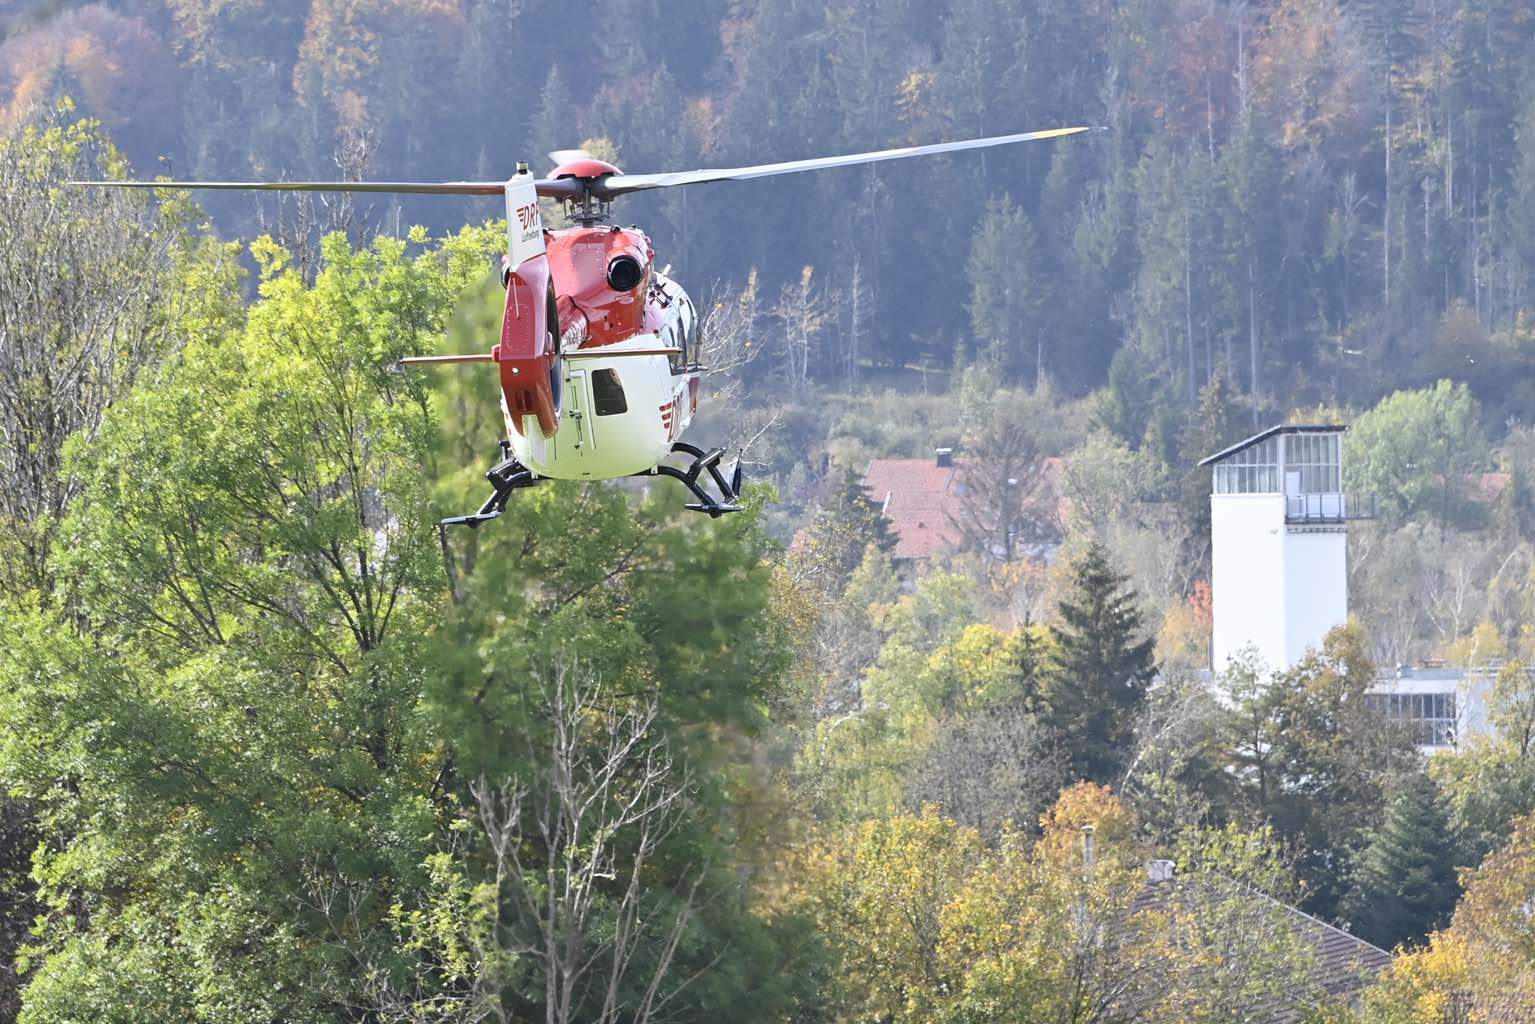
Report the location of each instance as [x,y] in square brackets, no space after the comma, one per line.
[920,500]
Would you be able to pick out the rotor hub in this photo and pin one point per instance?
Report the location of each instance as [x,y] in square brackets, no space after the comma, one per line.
[587,209]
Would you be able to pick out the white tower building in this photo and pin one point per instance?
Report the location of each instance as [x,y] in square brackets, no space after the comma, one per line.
[1277,535]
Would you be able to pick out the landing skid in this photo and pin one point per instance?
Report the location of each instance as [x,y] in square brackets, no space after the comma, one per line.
[730,491]
[505,477]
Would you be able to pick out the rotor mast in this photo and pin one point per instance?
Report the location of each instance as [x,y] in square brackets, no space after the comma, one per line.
[587,209]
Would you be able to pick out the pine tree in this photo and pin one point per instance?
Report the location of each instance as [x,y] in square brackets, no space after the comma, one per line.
[1126,407]
[1100,668]
[1407,881]
[1004,294]
[843,526]
[552,126]
[1210,427]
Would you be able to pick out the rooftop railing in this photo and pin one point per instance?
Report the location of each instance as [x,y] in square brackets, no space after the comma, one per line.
[1304,509]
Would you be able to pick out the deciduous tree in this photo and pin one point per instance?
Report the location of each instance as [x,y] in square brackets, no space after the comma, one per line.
[1415,451]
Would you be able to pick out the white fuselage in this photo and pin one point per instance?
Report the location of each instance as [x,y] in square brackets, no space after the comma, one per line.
[618,413]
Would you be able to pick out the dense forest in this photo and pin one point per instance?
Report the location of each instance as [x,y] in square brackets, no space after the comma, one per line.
[1329,199]
[275,748]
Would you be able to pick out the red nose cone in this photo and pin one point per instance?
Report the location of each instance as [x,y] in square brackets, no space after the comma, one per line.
[587,168]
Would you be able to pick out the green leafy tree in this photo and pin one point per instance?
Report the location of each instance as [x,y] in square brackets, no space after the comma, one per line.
[101,287]
[927,922]
[1309,755]
[1107,483]
[1415,451]
[1006,501]
[1490,783]
[1128,405]
[1100,668]
[94,301]
[840,529]
[991,769]
[1406,875]
[271,745]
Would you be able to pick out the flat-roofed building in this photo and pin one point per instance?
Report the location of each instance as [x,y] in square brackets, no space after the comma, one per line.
[1444,707]
[1277,532]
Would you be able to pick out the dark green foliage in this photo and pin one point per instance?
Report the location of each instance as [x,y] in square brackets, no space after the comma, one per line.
[1240,211]
[256,741]
[1126,407]
[18,838]
[1031,662]
[242,704]
[1308,755]
[1211,426]
[1407,874]
[841,528]
[1100,669]
[1005,295]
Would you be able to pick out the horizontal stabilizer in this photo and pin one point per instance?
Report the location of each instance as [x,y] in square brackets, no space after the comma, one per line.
[473,357]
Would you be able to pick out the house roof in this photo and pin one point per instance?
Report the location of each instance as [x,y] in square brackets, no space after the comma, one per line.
[920,499]
[1489,487]
[923,501]
[1341,965]
[1344,961]
[1280,428]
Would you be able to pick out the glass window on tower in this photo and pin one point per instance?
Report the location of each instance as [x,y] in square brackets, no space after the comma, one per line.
[1315,458]
[1253,470]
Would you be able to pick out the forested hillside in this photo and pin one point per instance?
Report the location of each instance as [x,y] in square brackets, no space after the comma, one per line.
[1301,190]
[273,747]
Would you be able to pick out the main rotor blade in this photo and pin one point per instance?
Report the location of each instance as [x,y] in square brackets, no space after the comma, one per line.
[620,184]
[565,188]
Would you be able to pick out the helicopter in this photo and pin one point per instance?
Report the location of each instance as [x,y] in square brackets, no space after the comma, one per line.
[597,349]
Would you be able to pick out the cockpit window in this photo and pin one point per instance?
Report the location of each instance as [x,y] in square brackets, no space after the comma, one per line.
[680,336]
[608,393]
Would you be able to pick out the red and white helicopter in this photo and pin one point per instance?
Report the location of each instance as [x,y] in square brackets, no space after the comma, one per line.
[597,354]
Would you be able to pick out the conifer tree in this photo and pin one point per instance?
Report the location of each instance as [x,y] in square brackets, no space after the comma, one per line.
[1210,427]
[551,128]
[1407,881]
[842,527]
[1100,668]
[1005,298]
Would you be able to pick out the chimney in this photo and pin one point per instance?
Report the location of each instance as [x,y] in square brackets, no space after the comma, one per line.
[945,457]
[1089,851]
[1159,871]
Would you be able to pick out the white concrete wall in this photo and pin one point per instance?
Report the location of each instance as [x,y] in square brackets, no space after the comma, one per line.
[1316,588]
[1247,538]
[1471,700]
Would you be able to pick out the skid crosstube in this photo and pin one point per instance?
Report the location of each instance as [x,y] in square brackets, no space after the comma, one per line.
[505,477]
[509,475]
[730,490]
